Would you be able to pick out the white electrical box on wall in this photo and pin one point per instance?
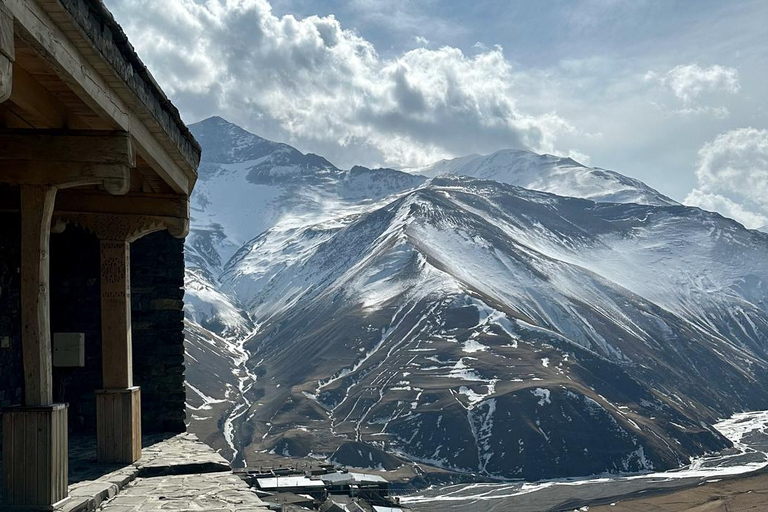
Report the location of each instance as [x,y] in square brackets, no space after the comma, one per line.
[68,349]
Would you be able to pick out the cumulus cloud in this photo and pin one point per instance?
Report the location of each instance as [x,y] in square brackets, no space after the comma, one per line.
[689,81]
[733,176]
[312,80]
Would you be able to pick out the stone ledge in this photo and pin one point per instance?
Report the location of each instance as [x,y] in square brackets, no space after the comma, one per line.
[220,492]
[89,495]
[177,456]
[180,455]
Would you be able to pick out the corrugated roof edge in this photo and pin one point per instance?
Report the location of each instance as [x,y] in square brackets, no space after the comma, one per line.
[109,39]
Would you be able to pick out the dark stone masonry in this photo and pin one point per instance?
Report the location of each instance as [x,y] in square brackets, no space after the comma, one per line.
[157,280]
[157,287]
[11,373]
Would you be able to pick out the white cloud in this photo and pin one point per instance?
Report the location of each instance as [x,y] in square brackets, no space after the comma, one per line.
[311,80]
[733,176]
[689,81]
[720,112]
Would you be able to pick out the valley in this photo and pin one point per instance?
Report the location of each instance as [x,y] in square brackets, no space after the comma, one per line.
[733,475]
[477,324]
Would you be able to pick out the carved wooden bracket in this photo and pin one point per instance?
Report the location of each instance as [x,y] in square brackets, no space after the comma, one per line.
[124,227]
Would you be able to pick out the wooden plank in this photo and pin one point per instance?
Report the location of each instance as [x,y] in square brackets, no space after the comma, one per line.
[94,201]
[117,356]
[64,436]
[6,78]
[69,63]
[60,468]
[7,53]
[35,456]
[80,146]
[36,212]
[38,106]
[29,480]
[136,428]
[114,178]
[45,468]
[7,47]
[119,425]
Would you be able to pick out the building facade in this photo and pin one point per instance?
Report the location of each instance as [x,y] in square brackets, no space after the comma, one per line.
[96,169]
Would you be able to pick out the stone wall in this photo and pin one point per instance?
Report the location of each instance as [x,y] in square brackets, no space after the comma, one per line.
[157,280]
[11,374]
[157,267]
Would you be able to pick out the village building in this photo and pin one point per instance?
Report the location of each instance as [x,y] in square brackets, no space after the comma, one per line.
[293,484]
[373,488]
[345,504]
[96,170]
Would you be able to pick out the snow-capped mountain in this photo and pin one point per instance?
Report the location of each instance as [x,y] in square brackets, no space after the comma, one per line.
[548,173]
[247,185]
[468,324]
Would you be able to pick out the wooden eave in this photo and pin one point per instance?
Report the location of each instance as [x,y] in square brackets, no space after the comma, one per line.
[77,83]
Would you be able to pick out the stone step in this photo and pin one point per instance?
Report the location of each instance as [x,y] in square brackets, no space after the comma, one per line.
[183,454]
[89,495]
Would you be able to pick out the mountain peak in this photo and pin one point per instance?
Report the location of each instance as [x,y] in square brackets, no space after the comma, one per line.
[213,120]
[226,142]
[550,173]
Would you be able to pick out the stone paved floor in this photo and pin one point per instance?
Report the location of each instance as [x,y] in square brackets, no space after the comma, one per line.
[175,472]
[211,492]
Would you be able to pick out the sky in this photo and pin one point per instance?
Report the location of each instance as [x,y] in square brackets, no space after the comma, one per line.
[672,92]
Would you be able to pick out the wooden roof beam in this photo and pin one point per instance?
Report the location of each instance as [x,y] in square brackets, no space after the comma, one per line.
[92,201]
[37,104]
[35,26]
[64,159]
[7,53]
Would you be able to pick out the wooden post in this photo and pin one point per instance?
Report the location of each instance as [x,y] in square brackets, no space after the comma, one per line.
[117,357]
[118,406]
[36,211]
[35,435]
[35,457]
[119,425]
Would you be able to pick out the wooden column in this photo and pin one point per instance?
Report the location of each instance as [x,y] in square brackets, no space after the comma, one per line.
[118,425]
[36,211]
[118,405]
[117,356]
[35,457]
[35,450]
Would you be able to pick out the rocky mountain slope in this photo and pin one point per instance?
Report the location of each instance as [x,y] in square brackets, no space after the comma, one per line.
[463,322]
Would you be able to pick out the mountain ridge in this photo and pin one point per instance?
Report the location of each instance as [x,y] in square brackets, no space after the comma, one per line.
[549,173]
[382,304]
